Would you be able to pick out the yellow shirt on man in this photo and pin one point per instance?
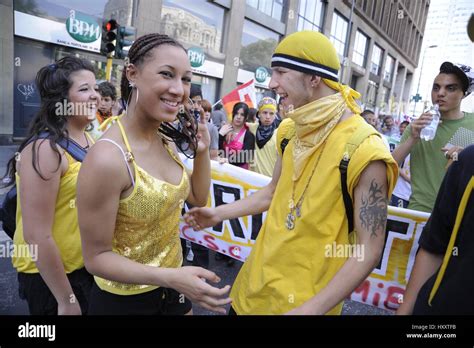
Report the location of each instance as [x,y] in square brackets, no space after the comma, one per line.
[288,267]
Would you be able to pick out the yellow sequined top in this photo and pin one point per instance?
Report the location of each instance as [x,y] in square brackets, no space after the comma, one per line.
[147,225]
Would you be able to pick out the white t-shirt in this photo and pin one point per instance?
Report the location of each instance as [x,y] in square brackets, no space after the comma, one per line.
[403,188]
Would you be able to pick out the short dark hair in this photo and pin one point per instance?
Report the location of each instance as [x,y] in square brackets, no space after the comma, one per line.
[405,122]
[195,91]
[238,106]
[106,89]
[366,112]
[450,68]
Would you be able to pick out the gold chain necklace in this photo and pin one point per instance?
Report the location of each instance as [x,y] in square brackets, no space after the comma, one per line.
[295,210]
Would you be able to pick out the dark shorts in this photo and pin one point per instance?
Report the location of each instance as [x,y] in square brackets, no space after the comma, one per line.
[161,301]
[41,301]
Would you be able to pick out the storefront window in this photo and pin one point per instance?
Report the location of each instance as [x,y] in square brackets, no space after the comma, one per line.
[209,87]
[193,23]
[258,44]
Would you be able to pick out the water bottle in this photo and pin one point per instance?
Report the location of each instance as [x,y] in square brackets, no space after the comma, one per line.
[428,133]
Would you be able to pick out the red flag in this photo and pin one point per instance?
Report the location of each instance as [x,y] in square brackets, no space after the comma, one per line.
[243,93]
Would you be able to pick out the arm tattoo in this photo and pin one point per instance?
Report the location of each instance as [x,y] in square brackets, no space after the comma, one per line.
[373,210]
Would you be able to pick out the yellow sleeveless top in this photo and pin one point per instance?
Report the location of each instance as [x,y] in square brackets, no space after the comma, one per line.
[65,227]
[147,224]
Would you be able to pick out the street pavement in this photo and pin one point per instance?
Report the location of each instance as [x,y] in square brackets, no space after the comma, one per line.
[11,304]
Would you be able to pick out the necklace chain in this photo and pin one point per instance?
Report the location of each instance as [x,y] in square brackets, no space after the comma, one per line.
[295,209]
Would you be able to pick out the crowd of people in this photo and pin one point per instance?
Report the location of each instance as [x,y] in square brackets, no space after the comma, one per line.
[113,247]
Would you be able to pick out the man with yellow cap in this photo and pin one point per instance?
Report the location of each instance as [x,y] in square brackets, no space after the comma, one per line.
[330,187]
[265,137]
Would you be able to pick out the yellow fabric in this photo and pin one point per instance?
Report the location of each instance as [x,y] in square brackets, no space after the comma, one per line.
[452,240]
[313,124]
[317,48]
[265,157]
[147,224]
[65,229]
[267,103]
[287,268]
[108,122]
[286,130]
[310,45]
[347,93]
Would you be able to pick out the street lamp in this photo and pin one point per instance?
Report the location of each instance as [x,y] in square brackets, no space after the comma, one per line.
[417,96]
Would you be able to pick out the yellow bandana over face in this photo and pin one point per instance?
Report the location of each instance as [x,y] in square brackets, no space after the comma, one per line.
[312,53]
[313,124]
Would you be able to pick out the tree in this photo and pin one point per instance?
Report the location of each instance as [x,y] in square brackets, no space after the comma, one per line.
[257,54]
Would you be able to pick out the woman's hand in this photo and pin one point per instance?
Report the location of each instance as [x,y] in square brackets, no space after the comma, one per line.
[225,129]
[199,218]
[191,282]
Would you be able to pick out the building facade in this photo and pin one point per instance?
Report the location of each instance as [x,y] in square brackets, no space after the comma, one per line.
[229,42]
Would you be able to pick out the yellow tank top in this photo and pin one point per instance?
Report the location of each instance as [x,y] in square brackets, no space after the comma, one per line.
[65,227]
[147,224]
[288,267]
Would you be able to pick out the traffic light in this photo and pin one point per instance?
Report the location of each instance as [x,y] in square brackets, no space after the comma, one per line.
[109,36]
[125,36]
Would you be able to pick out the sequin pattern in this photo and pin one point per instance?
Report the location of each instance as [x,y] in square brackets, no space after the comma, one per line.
[147,226]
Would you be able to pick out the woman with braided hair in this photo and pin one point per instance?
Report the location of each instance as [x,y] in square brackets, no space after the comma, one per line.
[130,222]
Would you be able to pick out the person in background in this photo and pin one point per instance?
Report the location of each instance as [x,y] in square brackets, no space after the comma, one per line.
[55,280]
[389,128]
[252,116]
[370,118]
[402,127]
[108,97]
[265,137]
[218,116]
[235,140]
[442,279]
[213,131]
[402,191]
[198,254]
[429,159]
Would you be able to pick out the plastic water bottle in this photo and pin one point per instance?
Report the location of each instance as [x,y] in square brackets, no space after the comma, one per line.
[428,133]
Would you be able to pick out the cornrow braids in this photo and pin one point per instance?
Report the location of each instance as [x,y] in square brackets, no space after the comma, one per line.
[183,134]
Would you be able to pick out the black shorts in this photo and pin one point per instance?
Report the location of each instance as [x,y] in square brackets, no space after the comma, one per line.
[161,301]
[41,300]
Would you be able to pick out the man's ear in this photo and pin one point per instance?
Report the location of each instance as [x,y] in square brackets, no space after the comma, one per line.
[315,80]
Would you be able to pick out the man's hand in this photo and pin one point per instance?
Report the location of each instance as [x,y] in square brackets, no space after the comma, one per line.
[451,153]
[418,124]
[199,218]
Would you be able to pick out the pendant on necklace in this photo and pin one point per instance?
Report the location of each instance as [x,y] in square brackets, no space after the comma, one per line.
[291,204]
[298,210]
[290,221]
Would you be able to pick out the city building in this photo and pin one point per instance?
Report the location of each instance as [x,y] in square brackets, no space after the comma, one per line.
[229,42]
